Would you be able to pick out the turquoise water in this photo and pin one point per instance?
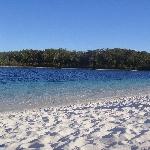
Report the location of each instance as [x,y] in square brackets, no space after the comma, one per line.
[33,87]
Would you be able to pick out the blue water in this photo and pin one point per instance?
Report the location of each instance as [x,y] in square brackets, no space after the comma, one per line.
[33,87]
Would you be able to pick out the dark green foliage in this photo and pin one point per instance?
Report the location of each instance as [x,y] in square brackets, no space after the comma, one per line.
[101,58]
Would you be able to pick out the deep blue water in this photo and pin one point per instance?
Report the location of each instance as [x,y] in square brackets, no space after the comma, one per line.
[32,87]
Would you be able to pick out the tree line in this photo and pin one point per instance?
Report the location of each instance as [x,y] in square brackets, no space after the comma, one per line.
[61,58]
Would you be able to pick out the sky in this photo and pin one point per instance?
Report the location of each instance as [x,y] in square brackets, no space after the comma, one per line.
[74,24]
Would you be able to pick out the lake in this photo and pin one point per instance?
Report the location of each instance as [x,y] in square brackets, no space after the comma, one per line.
[37,87]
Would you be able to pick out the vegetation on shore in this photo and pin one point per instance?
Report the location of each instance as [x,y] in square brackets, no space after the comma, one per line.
[100,58]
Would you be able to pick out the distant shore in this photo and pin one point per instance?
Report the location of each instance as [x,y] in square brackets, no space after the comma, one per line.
[110,58]
[100,69]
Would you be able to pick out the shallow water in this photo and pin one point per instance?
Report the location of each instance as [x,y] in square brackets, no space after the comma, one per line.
[32,87]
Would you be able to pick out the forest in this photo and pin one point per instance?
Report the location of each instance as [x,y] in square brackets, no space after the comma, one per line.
[115,58]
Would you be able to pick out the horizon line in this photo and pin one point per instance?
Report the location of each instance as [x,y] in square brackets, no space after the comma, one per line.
[69,49]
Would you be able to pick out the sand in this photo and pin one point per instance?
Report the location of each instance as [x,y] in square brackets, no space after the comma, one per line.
[118,124]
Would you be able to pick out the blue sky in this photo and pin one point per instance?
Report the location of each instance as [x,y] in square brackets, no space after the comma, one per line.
[74,24]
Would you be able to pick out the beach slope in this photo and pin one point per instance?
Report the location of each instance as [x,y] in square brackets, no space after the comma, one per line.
[118,124]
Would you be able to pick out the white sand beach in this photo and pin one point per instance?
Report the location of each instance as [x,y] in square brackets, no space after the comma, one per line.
[122,124]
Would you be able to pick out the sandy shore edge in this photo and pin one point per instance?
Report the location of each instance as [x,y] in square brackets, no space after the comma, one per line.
[121,123]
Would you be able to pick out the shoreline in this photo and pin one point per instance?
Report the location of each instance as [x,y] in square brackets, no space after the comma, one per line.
[98,69]
[120,124]
[31,106]
[101,101]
